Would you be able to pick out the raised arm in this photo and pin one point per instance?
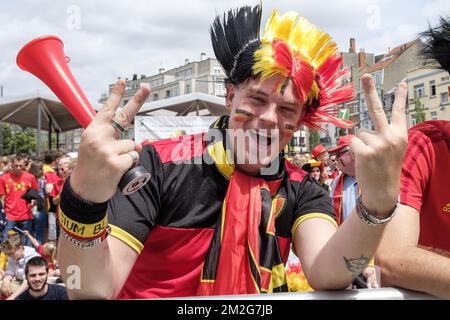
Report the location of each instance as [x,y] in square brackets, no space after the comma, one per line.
[404,264]
[331,259]
[33,240]
[103,159]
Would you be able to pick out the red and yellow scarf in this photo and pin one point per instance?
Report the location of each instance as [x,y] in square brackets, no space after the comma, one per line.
[244,255]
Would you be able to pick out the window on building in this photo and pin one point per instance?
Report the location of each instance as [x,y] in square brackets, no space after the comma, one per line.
[445,78]
[434,115]
[378,77]
[444,98]
[419,91]
[432,88]
[217,71]
[219,89]
[167,93]
[155,97]
[185,74]
[157,82]
[413,120]
[188,89]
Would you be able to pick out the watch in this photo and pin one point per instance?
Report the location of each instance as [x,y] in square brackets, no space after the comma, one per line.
[369,218]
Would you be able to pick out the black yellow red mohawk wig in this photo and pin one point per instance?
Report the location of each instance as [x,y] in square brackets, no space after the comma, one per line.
[291,47]
[437,43]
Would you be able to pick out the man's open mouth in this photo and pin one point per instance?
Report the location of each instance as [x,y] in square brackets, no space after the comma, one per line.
[261,138]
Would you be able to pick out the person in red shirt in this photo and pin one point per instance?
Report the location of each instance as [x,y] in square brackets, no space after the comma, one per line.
[13,185]
[415,250]
[52,181]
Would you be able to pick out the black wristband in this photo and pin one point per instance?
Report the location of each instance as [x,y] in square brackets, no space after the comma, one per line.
[81,210]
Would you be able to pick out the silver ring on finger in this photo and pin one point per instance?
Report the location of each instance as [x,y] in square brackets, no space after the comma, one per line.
[120,129]
[135,156]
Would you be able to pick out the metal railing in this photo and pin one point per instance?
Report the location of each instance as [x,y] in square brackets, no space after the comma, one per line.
[360,294]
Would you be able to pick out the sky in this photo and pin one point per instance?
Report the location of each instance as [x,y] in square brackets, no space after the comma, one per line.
[107,39]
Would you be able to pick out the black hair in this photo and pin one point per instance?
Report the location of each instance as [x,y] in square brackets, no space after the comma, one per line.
[437,43]
[49,156]
[235,38]
[36,262]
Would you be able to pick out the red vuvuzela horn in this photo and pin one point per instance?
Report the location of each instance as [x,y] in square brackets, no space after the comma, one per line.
[44,58]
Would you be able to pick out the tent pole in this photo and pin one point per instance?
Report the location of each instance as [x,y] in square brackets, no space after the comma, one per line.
[38,150]
[50,133]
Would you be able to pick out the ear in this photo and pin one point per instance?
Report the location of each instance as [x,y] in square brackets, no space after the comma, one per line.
[230,95]
[302,115]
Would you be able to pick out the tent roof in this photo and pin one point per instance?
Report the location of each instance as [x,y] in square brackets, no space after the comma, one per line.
[23,111]
[186,104]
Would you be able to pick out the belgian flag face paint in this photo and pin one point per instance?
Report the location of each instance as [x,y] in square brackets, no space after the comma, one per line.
[242,115]
[289,129]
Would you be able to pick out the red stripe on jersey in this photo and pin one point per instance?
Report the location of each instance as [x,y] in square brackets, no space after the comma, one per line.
[169,265]
[171,261]
[179,149]
[294,172]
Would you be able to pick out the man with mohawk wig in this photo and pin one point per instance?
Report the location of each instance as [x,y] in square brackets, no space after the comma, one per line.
[220,218]
[415,250]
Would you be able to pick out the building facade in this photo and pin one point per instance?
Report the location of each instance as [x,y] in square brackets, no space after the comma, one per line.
[428,94]
[204,76]
[355,62]
[389,69]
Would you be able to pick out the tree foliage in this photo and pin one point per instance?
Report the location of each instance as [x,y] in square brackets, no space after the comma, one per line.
[16,140]
[314,138]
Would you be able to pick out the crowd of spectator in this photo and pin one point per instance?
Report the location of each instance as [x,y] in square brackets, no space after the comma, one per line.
[29,194]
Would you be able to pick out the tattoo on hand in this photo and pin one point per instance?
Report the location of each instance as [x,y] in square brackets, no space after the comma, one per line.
[123,118]
[105,107]
[356,266]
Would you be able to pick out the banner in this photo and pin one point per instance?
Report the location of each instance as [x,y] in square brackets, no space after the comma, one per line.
[157,128]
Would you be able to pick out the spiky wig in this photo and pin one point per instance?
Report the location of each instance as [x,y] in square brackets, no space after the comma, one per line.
[437,43]
[296,50]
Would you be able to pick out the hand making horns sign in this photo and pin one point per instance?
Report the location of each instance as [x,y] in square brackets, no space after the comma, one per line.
[103,158]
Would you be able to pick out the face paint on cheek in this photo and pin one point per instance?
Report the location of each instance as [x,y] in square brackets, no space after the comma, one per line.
[242,115]
[289,129]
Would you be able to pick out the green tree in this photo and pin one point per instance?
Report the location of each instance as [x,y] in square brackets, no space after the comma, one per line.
[25,141]
[6,137]
[314,138]
[419,110]
[17,140]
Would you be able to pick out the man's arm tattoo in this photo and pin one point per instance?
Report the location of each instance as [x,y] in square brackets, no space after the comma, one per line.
[356,266]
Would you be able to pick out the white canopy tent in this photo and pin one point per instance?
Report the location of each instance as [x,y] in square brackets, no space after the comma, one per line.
[38,111]
[194,104]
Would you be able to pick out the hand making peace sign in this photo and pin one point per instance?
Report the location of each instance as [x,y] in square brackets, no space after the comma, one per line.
[379,155]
